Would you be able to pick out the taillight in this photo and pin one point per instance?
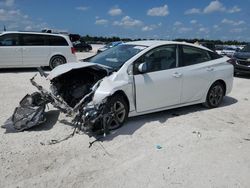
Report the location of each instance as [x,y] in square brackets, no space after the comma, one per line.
[73,50]
[232,61]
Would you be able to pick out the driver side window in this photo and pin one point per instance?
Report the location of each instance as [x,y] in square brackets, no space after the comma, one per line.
[161,58]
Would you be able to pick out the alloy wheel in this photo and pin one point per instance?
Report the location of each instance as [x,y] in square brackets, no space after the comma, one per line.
[57,61]
[118,115]
[216,95]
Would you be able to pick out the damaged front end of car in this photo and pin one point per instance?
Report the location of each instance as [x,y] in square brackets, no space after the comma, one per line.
[72,88]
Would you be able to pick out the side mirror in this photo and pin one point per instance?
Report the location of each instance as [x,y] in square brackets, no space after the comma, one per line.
[142,68]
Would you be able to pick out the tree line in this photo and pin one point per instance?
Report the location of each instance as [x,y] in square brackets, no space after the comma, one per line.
[96,39]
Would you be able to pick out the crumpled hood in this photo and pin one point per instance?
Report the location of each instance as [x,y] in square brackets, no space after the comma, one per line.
[62,69]
[242,55]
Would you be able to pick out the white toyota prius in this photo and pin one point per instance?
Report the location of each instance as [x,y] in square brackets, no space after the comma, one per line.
[141,77]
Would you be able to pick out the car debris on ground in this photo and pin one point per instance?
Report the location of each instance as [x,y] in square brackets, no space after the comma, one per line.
[71,92]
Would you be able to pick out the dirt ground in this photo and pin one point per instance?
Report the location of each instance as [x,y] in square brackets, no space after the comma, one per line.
[185,147]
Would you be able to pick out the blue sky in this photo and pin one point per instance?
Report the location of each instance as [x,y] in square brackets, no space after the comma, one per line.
[163,19]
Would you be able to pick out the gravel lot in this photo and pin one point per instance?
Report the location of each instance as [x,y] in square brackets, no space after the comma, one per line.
[197,147]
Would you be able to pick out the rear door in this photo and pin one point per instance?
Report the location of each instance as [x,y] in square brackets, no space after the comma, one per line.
[10,51]
[197,70]
[35,50]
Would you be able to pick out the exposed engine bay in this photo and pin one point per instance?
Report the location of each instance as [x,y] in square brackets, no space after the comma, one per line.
[71,92]
[74,85]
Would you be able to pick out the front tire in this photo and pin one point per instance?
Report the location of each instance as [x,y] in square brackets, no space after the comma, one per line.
[215,95]
[118,109]
[56,61]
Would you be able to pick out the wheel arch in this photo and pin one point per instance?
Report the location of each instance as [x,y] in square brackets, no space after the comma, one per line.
[223,84]
[122,93]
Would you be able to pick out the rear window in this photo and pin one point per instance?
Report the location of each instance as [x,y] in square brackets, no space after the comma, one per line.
[192,55]
[58,41]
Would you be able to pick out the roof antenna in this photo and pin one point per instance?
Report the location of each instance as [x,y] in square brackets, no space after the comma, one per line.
[4,28]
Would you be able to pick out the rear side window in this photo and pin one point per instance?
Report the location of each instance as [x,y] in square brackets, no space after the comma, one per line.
[192,56]
[9,40]
[33,40]
[58,41]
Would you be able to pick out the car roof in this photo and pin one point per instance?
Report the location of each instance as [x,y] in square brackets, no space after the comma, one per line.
[31,32]
[155,43]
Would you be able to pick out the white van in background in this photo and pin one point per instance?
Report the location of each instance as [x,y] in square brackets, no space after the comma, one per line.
[33,49]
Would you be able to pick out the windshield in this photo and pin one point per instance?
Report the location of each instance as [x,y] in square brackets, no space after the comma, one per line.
[115,57]
[246,48]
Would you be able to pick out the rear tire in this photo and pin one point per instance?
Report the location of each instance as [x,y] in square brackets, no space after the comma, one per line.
[215,95]
[56,61]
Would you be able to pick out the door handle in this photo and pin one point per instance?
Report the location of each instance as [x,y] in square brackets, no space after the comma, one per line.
[209,68]
[177,75]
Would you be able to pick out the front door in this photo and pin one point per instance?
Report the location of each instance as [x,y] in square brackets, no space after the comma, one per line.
[160,85]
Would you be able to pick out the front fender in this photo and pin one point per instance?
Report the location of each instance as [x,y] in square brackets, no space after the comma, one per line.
[109,86]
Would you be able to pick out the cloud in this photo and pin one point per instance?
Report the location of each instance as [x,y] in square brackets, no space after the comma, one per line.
[232,22]
[204,30]
[11,15]
[115,11]
[193,21]
[28,28]
[216,27]
[214,6]
[158,11]
[7,3]
[184,29]
[147,28]
[151,27]
[128,22]
[14,19]
[237,30]
[101,22]
[193,11]
[82,8]
[177,23]
[234,9]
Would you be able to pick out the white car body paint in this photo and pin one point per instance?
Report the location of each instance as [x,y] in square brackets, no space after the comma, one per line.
[111,84]
[68,67]
[185,85]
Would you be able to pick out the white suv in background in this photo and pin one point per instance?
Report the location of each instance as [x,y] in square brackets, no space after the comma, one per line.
[33,49]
